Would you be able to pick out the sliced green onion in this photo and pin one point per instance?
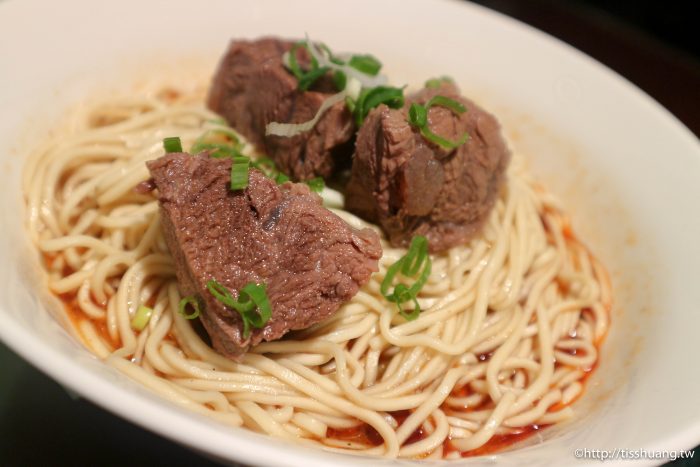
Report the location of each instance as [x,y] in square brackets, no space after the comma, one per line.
[293,63]
[211,141]
[226,132]
[350,104]
[308,79]
[221,293]
[257,294]
[192,302]
[456,107]
[316,184]
[314,60]
[416,262]
[172,144]
[265,165]
[371,98]
[367,64]
[415,256]
[305,78]
[340,80]
[403,294]
[418,117]
[391,272]
[434,83]
[362,70]
[268,167]
[440,141]
[216,150]
[353,88]
[239,172]
[141,318]
[331,57]
[251,297]
[423,277]
[325,59]
[392,97]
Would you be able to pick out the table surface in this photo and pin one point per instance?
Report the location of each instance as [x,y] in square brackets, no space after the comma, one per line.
[87,435]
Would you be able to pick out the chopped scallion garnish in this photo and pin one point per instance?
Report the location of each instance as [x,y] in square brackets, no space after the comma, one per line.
[293,63]
[141,318]
[268,167]
[418,117]
[239,172]
[172,144]
[325,58]
[371,98]
[222,143]
[193,303]
[340,80]
[216,150]
[434,83]
[306,79]
[217,121]
[367,64]
[219,142]
[416,263]
[444,142]
[316,184]
[256,293]
[265,165]
[331,57]
[252,304]
[456,107]
[357,80]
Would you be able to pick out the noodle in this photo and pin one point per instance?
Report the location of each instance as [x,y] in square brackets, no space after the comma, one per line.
[509,330]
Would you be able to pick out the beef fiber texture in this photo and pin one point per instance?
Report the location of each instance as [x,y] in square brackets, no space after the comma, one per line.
[310,259]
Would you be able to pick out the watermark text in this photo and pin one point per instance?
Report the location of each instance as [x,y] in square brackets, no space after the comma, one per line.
[631,454]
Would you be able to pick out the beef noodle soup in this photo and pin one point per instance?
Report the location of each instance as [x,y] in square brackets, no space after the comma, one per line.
[492,342]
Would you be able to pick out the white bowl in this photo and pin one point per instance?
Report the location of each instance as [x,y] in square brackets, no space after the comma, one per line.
[628,171]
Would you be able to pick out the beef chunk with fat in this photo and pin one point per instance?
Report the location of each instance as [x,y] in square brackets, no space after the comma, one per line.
[310,259]
[252,88]
[411,186]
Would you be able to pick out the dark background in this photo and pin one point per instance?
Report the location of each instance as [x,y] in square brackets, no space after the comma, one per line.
[654,44]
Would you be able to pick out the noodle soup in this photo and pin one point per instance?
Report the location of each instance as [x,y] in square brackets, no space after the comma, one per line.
[509,330]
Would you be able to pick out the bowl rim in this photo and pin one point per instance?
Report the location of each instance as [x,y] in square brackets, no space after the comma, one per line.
[166,420]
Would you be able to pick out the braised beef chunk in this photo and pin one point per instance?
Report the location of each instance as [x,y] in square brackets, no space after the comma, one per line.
[252,88]
[309,258]
[411,186]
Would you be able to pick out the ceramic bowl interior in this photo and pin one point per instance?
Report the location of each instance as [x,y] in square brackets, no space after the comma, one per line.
[626,169]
